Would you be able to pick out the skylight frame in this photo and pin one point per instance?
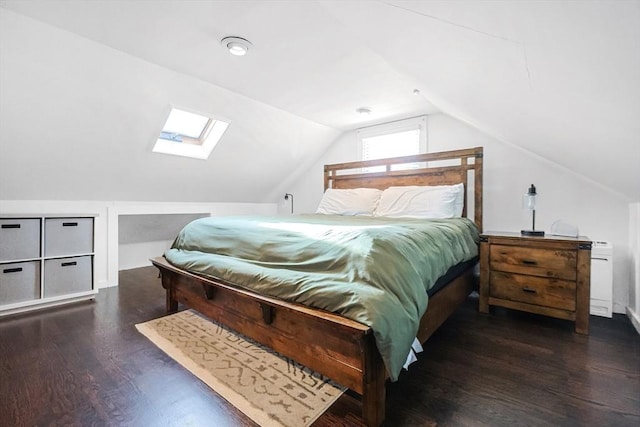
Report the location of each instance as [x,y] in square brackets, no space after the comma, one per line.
[196,148]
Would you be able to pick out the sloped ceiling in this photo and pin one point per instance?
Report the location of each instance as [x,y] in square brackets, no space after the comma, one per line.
[303,60]
[558,79]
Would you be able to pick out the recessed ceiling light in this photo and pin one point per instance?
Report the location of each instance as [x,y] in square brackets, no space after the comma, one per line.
[416,91]
[237,45]
[363,111]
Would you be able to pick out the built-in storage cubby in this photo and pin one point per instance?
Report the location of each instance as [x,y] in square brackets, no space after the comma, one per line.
[20,281]
[45,261]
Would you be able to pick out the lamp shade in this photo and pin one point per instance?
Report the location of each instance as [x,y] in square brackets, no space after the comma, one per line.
[529,199]
[529,202]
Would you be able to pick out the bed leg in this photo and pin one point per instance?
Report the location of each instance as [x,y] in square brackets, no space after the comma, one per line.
[172,303]
[374,395]
[167,283]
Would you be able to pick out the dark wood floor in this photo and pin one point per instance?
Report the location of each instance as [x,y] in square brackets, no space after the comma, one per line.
[86,364]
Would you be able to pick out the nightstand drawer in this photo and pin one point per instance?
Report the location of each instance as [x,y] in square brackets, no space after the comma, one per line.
[541,291]
[559,264]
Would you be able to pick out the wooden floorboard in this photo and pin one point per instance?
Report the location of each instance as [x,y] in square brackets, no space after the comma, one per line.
[85,364]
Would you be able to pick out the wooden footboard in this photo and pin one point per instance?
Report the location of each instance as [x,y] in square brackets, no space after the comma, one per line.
[339,348]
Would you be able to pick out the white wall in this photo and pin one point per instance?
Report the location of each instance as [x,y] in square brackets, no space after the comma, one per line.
[145,236]
[106,247]
[135,255]
[78,121]
[599,213]
[633,311]
[559,78]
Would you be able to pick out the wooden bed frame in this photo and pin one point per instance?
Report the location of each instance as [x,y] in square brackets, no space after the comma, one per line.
[339,348]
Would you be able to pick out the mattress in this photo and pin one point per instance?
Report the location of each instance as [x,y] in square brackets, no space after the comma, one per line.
[377,271]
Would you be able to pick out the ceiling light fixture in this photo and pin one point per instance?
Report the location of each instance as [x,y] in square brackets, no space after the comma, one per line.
[416,91]
[237,45]
[363,111]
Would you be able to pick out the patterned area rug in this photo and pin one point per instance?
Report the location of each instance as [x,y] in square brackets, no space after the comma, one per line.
[269,388]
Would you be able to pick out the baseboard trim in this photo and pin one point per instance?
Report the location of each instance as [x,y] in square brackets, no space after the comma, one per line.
[104,284]
[635,319]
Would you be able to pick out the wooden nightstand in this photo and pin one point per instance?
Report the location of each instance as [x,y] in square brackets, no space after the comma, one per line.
[547,275]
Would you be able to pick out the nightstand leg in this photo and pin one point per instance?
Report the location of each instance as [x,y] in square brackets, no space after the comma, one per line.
[582,327]
[483,305]
[583,291]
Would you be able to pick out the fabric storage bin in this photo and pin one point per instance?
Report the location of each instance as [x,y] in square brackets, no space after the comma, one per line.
[64,276]
[19,238]
[19,281]
[68,236]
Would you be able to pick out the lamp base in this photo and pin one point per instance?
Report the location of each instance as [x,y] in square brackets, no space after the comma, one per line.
[538,233]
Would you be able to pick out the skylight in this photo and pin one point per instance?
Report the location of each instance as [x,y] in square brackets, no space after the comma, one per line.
[189,134]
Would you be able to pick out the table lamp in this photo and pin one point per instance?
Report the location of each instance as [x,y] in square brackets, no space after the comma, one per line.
[529,202]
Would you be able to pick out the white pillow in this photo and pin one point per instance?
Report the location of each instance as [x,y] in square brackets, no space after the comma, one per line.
[442,201]
[356,201]
[459,203]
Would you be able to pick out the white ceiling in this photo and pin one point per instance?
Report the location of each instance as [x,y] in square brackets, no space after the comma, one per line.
[558,79]
[302,60]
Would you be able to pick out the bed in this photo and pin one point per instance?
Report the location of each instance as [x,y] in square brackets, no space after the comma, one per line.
[338,347]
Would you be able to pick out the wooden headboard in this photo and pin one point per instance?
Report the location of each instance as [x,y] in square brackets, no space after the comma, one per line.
[442,168]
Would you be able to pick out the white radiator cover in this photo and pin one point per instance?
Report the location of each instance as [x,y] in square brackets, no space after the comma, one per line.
[601,279]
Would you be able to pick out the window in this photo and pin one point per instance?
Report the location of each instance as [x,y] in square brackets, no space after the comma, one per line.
[189,134]
[401,138]
[396,144]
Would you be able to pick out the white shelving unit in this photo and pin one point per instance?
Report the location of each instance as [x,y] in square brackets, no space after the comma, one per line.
[45,261]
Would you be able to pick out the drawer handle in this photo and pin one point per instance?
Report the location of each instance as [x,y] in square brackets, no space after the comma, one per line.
[69,224]
[529,290]
[12,270]
[600,259]
[67,264]
[529,262]
[10,225]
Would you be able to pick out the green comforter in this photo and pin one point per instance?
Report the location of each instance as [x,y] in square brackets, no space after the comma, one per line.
[372,270]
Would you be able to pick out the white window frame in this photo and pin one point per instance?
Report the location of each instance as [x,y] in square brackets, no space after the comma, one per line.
[193,148]
[398,126]
[404,125]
